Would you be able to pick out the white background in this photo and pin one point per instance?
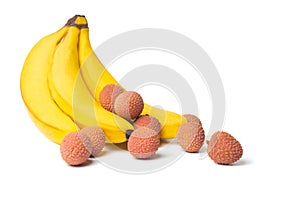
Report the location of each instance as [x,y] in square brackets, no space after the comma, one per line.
[255,46]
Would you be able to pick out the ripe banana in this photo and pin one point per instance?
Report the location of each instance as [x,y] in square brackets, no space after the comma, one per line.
[50,119]
[60,84]
[71,94]
[96,76]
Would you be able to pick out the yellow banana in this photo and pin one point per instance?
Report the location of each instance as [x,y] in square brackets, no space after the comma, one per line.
[52,133]
[96,76]
[44,112]
[60,84]
[71,94]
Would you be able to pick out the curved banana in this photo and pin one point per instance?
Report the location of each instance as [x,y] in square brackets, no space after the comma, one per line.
[96,76]
[44,112]
[71,94]
[52,133]
[60,84]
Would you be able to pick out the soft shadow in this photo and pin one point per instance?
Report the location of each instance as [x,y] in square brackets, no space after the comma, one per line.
[156,156]
[243,162]
[122,146]
[86,163]
[153,157]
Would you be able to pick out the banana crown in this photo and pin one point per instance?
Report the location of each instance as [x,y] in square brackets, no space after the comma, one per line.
[78,21]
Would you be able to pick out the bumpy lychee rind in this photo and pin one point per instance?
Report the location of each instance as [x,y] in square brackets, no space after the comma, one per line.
[192,118]
[76,148]
[148,122]
[108,96]
[129,105]
[223,148]
[97,138]
[190,137]
[143,143]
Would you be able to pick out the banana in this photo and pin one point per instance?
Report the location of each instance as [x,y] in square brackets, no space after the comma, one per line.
[49,118]
[96,76]
[52,133]
[60,84]
[71,94]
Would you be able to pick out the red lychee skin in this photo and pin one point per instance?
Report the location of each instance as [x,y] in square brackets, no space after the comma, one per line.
[96,136]
[129,105]
[108,96]
[192,118]
[75,148]
[224,149]
[148,122]
[190,137]
[143,143]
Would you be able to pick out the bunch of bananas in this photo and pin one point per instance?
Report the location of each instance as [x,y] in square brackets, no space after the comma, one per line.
[60,84]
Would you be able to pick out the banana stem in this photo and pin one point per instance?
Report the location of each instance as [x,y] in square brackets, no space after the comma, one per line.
[78,21]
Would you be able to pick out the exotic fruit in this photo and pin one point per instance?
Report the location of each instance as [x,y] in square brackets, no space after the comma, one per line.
[129,105]
[108,96]
[76,148]
[190,137]
[97,137]
[143,142]
[223,148]
[148,122]
[192,118]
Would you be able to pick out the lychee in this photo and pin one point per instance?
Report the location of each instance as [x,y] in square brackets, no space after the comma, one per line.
[76,148]
[192,118]
[97,138]
[223,148]
[108,96]
[129,105]
[143,142]
[148,122]
[190,137]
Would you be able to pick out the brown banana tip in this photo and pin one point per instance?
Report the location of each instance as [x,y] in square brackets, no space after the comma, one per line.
[128,133]
[72,22]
